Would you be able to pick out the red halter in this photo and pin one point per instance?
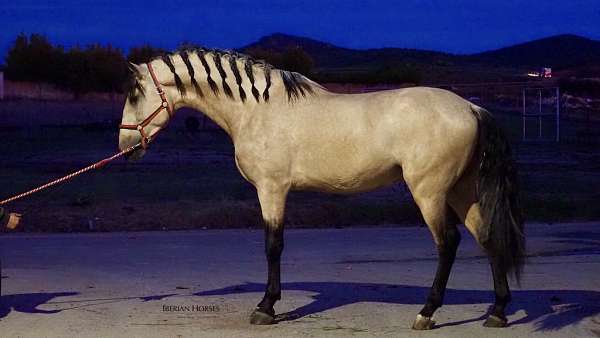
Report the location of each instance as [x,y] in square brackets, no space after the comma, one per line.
[146,139]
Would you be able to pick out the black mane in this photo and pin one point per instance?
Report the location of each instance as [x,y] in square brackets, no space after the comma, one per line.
[296,85]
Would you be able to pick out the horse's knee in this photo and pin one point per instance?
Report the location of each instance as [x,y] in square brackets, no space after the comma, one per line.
[272,198]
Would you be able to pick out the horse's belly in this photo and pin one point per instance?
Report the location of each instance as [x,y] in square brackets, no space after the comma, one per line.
[346,177]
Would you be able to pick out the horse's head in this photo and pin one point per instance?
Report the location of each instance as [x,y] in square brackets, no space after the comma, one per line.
[146,111]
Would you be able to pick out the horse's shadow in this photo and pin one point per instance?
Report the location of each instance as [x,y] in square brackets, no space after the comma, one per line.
[548,309]
[29,302]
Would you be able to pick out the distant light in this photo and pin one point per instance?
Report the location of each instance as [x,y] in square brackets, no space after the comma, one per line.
[544,73]
[547,72]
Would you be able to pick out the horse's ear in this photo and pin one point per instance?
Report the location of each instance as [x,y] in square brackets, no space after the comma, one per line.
[136,69]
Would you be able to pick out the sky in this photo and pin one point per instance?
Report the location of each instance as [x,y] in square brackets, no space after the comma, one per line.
[460,26]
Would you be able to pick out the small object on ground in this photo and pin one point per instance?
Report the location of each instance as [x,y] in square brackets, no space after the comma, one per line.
[13,220]
[10,220]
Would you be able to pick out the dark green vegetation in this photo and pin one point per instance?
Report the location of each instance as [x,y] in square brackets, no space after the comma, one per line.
[99,68]
[188,179]
[95,68]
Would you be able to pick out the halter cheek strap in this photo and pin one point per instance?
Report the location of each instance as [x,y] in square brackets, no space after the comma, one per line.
[165,104]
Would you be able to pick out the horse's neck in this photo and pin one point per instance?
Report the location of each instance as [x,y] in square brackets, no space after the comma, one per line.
[236,94]
[227,112]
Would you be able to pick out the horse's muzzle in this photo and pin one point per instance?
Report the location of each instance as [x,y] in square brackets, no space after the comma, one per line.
[135,155]
[129,139]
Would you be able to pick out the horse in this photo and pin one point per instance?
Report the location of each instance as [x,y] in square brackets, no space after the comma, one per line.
[290,133]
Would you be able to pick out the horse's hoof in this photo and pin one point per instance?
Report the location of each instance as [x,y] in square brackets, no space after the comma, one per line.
[495,321]
[423,323]
[261,318]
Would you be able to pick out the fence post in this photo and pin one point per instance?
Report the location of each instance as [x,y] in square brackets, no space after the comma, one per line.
[523,115]
[540,114]
[557,114]
[1,85]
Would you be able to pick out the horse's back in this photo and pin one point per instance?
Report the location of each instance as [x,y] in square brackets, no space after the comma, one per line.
[366,140]
[418,105]
[430,119]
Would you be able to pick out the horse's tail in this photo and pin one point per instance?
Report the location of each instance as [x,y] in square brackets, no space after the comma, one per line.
[502,231]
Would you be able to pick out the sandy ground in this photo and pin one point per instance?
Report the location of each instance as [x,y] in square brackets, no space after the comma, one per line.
[337,282]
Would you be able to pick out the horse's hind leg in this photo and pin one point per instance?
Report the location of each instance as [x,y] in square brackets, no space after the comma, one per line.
[463,200]
[442,224]
[497,318]
[272,198]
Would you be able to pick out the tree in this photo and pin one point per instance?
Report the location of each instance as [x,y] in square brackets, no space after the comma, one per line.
[297,60]
[294,59]
[77,78]
[269,56]
[395,74]
[30,59]
[17,59]
[96,68]
[107,67]
[143,54]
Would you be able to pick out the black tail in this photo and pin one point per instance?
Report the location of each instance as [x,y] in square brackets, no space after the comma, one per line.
[502,231]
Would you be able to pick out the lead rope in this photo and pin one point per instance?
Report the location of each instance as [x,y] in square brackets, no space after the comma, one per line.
[96,165]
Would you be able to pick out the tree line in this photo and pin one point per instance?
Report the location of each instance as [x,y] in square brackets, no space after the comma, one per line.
[95,68]
[104,68]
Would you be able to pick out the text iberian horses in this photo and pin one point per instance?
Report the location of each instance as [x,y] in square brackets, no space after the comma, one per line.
[290,133]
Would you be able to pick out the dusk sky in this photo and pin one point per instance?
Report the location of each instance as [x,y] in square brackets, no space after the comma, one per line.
[461,26]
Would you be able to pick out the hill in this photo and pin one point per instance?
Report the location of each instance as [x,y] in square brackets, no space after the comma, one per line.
[327,55]
[506,63]
[561,51]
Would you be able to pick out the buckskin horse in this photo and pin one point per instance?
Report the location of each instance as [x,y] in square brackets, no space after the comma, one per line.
[290,133]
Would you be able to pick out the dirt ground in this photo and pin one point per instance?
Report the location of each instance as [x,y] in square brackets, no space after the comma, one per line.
[336,283]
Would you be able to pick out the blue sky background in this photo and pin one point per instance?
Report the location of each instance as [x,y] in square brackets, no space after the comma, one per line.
[461,26]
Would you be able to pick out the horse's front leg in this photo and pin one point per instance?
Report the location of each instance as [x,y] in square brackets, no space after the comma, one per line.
[272,198]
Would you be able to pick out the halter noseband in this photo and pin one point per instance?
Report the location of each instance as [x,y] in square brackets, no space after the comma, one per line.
[146,139]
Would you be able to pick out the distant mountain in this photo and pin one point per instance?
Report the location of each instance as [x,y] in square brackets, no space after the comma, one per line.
[558,51]
[327,55]
[561,51]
